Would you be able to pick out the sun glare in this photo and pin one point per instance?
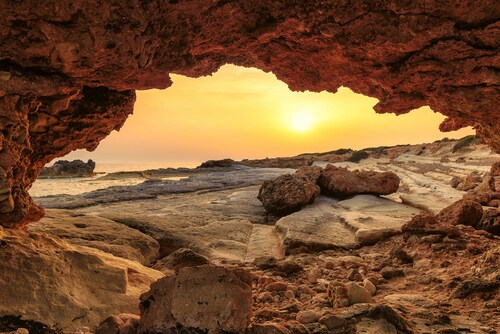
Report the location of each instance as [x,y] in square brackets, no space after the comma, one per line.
[302,121]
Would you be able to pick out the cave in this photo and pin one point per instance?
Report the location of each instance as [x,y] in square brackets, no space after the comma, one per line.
[69,70]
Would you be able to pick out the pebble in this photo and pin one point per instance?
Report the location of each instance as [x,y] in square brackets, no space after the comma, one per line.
[432,239]
[369,286]
[391,272]
[354,275]
[401,255]
[265,296]
[22,331]
[357,294]
[289,294]
[277,286]
[306,317]
[333,322]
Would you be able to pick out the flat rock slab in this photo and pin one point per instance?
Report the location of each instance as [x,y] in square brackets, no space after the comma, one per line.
[264,241]
[229,178]
[374,218]
[316,227]
[99,233]
[217,224]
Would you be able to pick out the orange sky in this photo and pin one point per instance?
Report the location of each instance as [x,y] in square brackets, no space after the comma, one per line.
[246,113]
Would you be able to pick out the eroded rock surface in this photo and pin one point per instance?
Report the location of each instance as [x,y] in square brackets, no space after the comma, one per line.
[287,193]
[66,286]
[208,299]
[341,182]
[68,71]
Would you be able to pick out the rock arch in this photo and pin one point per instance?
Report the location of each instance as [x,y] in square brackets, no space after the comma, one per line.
[68,69]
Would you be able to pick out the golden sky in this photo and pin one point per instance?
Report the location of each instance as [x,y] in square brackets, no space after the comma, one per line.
[246,113]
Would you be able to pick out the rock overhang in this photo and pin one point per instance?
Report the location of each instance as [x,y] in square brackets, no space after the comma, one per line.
[68,70]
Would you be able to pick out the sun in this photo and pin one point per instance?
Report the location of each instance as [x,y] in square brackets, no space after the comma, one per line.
[302,121]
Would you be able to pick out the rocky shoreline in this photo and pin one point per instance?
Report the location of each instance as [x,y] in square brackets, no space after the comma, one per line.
[359,263]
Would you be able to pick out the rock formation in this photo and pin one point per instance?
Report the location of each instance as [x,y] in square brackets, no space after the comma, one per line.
[340,182]
[287,193]
[204,299]
[68,70]
[65,169]
[487,192]
[66,286]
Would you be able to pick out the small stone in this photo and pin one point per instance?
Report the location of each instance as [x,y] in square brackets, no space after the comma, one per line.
[314,274]
[265,262]
[333,322]
[277,286]
[306,317]
[304,289]
[354,275]
[369,286]
[289,267]
[357,294]
[5,76]
[304,297]
[432,239]
[439,246]
[22,331]
[401,255]
[265,296]
[391,272]
[289,294]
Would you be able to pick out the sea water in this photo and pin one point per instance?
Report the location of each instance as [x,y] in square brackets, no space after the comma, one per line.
[75,186]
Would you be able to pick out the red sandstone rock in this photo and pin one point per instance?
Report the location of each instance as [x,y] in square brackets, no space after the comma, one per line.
[471,181]
[464,212]
[426,223]
[487,192]
[490,221]
[206,299]
[340,182]
[287,193]
[309,173]
[67,70]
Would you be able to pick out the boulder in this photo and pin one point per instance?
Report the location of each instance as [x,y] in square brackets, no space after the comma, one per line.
[340,182]
[464,212]
[45,279]
[287,194]
[204,299]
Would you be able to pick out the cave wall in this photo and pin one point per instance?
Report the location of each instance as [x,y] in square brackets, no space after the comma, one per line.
[68,69]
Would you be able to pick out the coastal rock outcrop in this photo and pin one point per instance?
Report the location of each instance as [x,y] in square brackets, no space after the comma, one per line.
[99,233]
[65,169]
[487,192]
[66,286]
[341,182]
[287,194]
[465,212]
[68,71]
[204,299]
